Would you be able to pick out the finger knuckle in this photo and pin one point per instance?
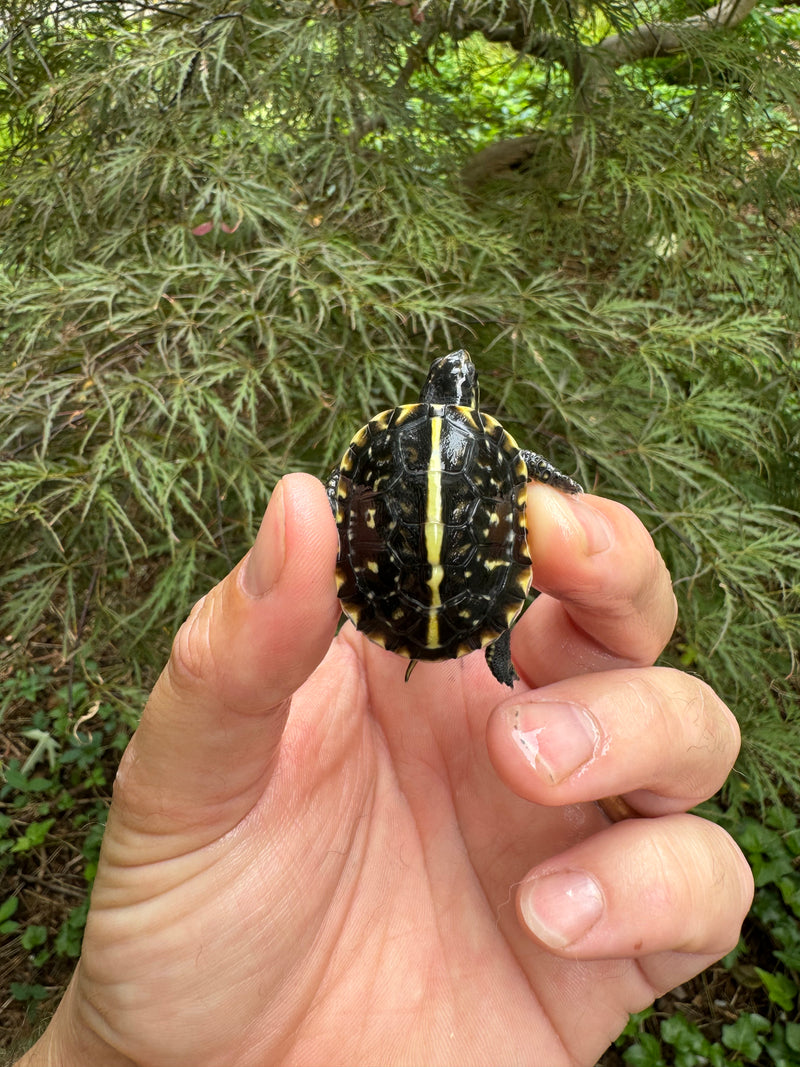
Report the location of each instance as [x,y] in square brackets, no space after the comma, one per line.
[190,660]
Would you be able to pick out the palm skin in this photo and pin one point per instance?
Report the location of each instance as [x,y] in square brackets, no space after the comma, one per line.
[309,861]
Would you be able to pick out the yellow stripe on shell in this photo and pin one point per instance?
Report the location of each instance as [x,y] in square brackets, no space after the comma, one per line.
[434,526]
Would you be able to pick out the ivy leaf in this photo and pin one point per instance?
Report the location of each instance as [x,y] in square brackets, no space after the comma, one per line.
[33,937]
[28,991]
[7,909]
[743,1035]
[793,1036]
[34,836]
[780,988]
[645,1053]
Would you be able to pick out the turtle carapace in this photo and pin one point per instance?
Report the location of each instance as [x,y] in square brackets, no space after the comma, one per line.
[429,500]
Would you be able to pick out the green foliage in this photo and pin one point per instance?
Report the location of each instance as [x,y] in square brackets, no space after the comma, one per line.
[7,924]
[52,814]
[28,991]
[232,231]
[681,1044]
[771,935]
[781,990]
[69,938]
[231,234]
[772,847]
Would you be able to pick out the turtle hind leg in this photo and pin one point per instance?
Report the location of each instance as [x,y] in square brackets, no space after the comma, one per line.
[498,657]
[540,470]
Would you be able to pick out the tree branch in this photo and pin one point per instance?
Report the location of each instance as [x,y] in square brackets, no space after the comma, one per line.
[541,45]
[640,42]
[590,69]
[667,38]
[416,57]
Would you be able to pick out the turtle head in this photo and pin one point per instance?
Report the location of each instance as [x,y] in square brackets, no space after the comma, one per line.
[452,379]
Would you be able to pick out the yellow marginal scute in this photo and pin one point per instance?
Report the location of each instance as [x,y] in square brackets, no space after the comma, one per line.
[434,528]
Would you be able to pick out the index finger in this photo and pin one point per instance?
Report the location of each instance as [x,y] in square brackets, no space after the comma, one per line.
[606,596]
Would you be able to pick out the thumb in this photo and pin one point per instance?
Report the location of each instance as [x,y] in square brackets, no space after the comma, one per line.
[202,753]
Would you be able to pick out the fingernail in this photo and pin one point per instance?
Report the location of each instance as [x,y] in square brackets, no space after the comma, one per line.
[578,518]
[560,908]
[555,739]
[265,559]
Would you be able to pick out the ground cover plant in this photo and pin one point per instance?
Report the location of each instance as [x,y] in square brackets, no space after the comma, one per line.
[234,230]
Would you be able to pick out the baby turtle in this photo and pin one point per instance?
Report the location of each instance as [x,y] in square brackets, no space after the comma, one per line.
[429,500]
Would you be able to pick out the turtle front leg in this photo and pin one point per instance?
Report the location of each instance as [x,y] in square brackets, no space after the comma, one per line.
[331,486]
[498,656]
[541,470]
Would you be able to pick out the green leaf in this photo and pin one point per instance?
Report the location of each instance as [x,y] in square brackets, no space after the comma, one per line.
[790,891]
[780,988]
[634,1025]
[745,1035]
[33,937]
[8,908]
[783,819]
[789,957]
[14,778]
[18,781]
[783,1045]
[793,1036]
[687,1040]
[34,836]
[39,784]
[46,747]
[772,871]
[26,991]
[70,936]
[645,1053]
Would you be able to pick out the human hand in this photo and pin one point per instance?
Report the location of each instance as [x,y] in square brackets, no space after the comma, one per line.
[309,861]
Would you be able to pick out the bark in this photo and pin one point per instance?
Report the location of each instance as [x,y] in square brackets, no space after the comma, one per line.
[666,38]
[640,42]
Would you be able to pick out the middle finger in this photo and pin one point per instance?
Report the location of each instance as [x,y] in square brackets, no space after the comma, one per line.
[658,737]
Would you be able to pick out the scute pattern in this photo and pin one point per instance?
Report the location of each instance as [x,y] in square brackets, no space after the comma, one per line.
[394,508]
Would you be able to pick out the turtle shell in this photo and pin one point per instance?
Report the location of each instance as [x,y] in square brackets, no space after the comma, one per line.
[433,552]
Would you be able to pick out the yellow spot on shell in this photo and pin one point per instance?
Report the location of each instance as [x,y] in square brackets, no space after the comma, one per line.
[381,421]
[361,438]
